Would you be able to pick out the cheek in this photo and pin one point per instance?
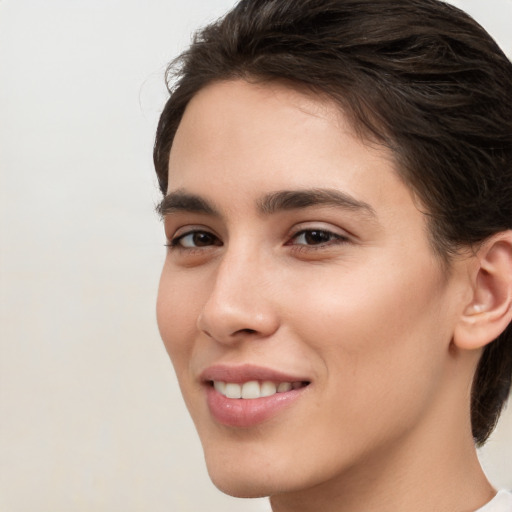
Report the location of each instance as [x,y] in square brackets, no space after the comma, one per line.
[178,306]
[381,340]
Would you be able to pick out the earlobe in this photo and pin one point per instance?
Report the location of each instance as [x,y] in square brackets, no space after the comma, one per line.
[490,310]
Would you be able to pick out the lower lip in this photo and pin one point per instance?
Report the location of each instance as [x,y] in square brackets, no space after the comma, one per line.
[239,412]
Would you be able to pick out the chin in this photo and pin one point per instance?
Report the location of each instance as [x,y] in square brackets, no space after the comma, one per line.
[242,477]
[254,470]
[239,488]
[239,483]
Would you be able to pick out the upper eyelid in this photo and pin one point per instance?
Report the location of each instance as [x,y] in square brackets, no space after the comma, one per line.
[189,232]
[178,231]
[322,230]
[174,242]
[186,229]
[319,226]
[177,239]
[336,238]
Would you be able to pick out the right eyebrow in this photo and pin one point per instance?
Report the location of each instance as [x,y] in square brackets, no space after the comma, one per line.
[180,201]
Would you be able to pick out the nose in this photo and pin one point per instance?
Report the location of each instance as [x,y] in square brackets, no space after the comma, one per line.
[239,304]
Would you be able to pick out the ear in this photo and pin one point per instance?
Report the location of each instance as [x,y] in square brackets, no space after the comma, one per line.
[490,310]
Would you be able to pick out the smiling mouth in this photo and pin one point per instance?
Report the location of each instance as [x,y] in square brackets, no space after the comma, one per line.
[254,389]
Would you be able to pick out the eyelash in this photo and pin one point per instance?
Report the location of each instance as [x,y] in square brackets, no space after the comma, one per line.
[332,239]
[176,242]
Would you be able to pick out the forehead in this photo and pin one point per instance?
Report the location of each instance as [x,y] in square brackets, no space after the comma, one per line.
[268,130]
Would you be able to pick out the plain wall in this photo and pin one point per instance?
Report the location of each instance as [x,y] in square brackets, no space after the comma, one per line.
[91,418]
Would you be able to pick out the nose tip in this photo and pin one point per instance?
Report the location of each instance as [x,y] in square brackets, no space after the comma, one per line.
[233,313]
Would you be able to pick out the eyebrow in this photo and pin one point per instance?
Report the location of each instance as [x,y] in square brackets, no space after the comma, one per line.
[181,201]
[298,199]
[283,200]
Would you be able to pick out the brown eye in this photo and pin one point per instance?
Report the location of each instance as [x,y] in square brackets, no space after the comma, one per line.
[316,237]
[196,239]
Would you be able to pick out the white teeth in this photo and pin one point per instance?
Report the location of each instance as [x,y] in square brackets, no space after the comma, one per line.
[254,389]
[268,388]
[233,390]
[251,389]
[220,386]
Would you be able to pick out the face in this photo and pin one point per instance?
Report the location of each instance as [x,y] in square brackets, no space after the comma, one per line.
[305,313]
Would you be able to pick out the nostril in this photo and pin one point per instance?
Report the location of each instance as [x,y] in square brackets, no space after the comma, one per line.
[246,331]
[240,331]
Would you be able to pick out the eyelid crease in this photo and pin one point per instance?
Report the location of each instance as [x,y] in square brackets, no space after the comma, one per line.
[321,225]
[334,239]
[319,230]
[178,228]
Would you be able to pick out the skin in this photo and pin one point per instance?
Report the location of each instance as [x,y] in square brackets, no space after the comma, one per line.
[364,309]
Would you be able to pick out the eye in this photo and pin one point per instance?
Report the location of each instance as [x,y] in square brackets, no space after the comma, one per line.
[316,237]
[194,240]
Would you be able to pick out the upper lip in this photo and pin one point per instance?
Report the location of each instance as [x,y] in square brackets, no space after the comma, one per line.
[246,373]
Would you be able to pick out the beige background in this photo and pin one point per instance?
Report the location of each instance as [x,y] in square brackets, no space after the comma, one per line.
[90,415]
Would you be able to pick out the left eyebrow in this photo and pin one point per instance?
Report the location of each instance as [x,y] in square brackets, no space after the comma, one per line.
[298,199]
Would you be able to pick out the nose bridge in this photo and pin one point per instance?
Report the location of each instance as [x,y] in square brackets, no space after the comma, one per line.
[238,303]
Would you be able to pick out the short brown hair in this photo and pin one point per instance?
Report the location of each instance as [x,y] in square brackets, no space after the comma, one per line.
[418,76]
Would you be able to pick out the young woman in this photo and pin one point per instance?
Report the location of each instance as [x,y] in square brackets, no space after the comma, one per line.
[337,293]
